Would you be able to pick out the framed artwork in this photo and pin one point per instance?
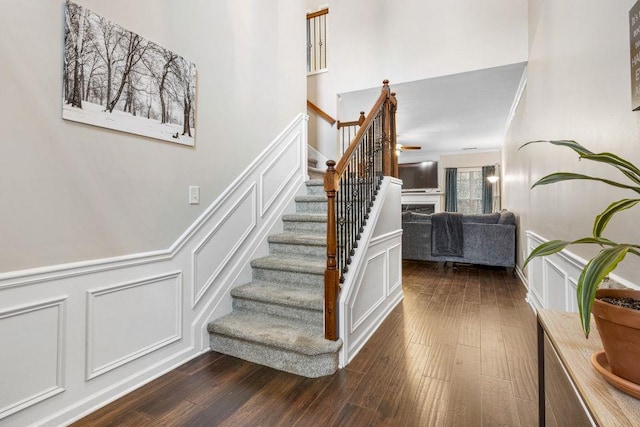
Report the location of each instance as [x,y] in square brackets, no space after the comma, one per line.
[114,78]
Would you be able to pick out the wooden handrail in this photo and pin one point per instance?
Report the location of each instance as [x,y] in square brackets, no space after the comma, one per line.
[358,171]
[352,123]
[384,96]
[318,13]
[319,111]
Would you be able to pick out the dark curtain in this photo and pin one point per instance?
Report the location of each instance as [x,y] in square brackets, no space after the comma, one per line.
[487,189]
[451,190]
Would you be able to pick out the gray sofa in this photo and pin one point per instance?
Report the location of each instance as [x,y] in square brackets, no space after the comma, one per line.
[488,239]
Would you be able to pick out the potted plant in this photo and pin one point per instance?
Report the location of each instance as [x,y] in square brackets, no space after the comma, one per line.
[619,325]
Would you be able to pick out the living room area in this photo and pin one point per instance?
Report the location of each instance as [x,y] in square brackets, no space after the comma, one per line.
[579,85]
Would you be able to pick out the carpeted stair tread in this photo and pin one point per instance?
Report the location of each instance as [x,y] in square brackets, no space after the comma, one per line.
[276,293]
[298,239]
[312,198]
[305,217]
[297,265]
[275,332]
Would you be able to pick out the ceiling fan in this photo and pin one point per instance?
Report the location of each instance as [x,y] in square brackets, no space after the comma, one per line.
[403,147]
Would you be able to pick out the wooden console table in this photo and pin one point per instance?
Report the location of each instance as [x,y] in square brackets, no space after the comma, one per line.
[571,392]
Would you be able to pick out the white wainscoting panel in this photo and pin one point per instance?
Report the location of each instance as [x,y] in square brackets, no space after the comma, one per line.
[31,354]
[373,285]
[370,292]
[395,268]
[555,284]
[74,337]
[536,281]
[148,317]
[210,256]
[571,297]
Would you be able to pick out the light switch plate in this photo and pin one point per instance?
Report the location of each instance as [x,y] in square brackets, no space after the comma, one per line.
[194,195]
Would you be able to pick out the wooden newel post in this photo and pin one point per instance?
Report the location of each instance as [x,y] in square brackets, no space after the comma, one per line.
[361,118]
[331,274]
[387,154]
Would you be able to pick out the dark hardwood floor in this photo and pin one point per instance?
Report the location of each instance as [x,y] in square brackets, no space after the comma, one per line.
[459,350]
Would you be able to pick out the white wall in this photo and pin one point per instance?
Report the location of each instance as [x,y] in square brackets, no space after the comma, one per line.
[408,40]
[72,192]
[578,87]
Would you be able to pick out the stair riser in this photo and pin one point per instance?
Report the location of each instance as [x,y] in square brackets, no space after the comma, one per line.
[315,174]
[312,317]
[294,278]
[316,190]
[311,207]
[298,251]
[284,360]
[306,227]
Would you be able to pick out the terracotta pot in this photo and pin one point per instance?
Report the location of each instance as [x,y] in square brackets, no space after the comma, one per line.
[619,329]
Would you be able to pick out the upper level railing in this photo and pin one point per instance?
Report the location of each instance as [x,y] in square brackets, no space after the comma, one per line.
[317,41]
[351,187]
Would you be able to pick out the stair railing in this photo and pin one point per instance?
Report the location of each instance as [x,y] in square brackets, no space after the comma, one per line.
[351,187]
[348,130]
[317,41]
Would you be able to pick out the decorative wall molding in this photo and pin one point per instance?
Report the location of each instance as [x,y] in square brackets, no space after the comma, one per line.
[225,229]
[555,286]
[16,373]
[374,269]
[552,280]
[98,289]
[142,302]
[394,255]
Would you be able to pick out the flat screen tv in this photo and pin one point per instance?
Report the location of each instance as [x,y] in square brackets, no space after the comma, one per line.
[414,176]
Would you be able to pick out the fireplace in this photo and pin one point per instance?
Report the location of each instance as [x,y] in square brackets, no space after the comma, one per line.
[422,201]
[426,208]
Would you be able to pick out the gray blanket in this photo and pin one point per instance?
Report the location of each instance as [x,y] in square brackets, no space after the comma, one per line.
[446,234]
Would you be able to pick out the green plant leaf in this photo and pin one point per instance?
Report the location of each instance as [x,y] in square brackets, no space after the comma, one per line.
[592,274]
[568,176]
[565,143]
[631,176]
[626,167]
[546,248]
[603,219]
[617,162]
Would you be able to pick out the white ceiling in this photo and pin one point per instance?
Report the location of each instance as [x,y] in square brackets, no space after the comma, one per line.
[448,114]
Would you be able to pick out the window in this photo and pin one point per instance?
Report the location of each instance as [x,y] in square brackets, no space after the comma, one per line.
[470,190]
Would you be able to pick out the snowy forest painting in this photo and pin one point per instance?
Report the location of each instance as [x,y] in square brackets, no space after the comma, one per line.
[116,79]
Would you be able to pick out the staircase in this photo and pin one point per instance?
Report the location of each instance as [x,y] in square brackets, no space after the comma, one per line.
[277,318]
[313,170]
